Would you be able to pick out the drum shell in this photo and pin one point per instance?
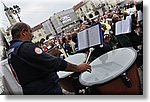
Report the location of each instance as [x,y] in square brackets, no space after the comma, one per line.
[70,80]
[117,87]
[67,84]
[71,83]
[55,52]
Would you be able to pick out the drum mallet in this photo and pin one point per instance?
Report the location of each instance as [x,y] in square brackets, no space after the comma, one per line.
[90,51]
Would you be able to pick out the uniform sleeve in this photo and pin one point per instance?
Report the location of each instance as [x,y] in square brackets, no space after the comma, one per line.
[41,60]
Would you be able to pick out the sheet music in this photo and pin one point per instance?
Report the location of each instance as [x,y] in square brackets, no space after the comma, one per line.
[94,35]
[118,28]
[123,27]
[82,40]
[140,15]
[126,26]
[89,37]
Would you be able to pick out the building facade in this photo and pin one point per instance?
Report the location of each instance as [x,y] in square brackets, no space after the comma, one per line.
[61,21]
[12,21]
[65,19]
[91,8]
[39,33]
[9,15]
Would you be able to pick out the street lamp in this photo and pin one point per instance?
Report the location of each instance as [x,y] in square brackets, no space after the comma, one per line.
[15,10]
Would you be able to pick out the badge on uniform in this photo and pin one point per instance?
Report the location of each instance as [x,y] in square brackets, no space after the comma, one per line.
[38,50]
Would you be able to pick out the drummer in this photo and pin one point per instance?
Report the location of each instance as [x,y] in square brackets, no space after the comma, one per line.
[34,69]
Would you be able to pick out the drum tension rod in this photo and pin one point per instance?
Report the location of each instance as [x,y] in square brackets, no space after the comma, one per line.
[126,80]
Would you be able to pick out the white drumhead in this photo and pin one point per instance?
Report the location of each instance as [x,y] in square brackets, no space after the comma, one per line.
[77,59]
[108,66]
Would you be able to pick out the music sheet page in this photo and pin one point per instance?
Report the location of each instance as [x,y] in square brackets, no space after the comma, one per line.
[118,28]
[126,26]
[82,40]
[94,35]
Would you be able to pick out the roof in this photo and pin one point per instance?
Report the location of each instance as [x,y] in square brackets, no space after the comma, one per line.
[39,26]
[79,5]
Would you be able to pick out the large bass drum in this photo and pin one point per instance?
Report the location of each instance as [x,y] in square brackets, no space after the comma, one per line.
[113,73]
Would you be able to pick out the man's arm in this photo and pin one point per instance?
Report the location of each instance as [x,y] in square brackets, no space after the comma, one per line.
[78,68]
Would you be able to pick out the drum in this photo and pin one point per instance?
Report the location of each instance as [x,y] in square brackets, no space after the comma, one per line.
[69,80]
[55,52]
[113,73]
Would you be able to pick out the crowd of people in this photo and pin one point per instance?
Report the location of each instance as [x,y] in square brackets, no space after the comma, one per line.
[69,42]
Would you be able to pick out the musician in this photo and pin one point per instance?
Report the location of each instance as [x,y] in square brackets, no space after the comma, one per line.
[35,69]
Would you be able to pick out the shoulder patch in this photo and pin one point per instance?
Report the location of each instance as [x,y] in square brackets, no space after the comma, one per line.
[38,50]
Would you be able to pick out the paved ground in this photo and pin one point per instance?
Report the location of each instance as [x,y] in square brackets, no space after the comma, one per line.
[1,86]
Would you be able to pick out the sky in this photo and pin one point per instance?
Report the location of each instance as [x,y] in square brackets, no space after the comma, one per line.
[34,12]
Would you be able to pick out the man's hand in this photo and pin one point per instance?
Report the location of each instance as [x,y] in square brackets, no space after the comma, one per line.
[78,68]
[84,67]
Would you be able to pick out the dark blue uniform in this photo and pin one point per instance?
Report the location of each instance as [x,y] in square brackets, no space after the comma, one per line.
[36,70]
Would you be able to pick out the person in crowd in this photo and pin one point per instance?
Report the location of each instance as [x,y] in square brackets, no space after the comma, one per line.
[75,39]
[34,69]
[66,45]
[42,41]
[71,42]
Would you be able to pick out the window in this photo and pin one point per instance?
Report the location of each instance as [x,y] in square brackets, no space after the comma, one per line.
[40,35]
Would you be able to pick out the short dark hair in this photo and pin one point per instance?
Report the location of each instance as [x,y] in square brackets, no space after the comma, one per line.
[17,28]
